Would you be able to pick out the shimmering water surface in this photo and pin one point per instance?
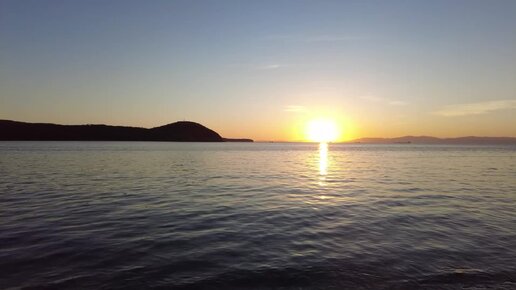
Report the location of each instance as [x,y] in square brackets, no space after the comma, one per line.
[131,215]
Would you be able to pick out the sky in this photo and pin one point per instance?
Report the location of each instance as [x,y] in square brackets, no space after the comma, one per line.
[263,69]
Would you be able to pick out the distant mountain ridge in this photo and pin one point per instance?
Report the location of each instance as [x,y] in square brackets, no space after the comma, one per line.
[182,131]
[435,140]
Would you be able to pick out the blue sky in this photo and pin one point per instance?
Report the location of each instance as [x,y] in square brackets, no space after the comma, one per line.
[262,69]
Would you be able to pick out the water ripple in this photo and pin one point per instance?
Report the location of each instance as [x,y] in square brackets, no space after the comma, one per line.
[133,215]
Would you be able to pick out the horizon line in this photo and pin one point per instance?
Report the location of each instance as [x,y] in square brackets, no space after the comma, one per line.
[354,140]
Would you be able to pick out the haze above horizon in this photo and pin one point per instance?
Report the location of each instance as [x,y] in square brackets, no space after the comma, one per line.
[264,69]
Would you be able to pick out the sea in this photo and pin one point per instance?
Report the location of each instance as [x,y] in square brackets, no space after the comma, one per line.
[160,215]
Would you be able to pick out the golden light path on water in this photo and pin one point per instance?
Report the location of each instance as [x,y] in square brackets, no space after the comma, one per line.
[323,162]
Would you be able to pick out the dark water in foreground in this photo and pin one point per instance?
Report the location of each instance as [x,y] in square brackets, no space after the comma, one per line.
[129,215]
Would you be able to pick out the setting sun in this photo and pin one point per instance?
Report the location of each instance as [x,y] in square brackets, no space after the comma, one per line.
[322,130]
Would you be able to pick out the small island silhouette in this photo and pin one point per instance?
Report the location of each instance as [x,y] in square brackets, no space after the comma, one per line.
[182,131]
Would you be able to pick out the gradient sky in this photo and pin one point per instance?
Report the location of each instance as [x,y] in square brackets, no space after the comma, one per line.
[261,69]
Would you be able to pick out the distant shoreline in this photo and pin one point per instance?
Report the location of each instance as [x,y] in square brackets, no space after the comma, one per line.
[415,140]
[407,140]
[186,131]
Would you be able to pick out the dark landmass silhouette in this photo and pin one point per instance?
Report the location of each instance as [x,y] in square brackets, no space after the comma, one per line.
[183,131]
[435,140]
[237,140]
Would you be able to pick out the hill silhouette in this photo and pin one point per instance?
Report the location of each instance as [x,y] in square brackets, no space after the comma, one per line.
[183,131]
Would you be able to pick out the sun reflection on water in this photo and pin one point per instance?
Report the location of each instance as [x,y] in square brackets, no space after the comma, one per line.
[323,161]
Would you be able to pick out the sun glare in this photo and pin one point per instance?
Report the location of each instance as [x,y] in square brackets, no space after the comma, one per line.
[322,130]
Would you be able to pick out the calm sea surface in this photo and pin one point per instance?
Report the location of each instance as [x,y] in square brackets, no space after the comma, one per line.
[135,215]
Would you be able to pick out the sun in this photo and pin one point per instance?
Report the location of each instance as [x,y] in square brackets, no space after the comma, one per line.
[322,130]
